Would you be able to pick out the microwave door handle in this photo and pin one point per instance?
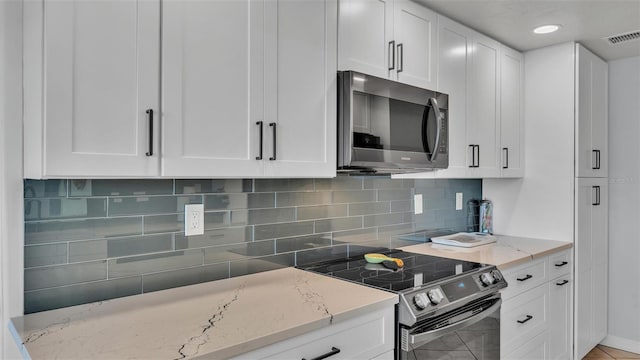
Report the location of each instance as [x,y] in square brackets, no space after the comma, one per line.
[427,336]
[436,112]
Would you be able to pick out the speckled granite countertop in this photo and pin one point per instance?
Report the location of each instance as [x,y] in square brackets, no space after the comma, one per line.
[218,319]
[506,252]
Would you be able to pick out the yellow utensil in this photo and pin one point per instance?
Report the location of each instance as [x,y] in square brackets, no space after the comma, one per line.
[378,258]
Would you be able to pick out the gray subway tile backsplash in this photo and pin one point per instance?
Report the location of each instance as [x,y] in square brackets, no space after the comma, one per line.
[58,297]
[322,212]
[40,232]
[53,276]
[143,205]
[146,264]
[44,255]
[92,240]
[109,187]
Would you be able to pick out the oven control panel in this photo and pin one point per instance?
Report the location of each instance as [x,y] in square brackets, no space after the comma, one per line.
[429,298]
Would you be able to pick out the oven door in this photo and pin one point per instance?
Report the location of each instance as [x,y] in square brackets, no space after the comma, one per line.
[471,331]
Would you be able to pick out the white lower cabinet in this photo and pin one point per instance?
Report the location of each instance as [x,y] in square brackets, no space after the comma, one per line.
[369,336]
[535,318]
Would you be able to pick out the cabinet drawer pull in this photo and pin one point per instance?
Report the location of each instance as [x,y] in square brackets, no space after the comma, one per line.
[392,55]
[563,282]
[561,264]
[597,158]
[597,202]
[334,350]
[506,157]
[529,317]
[260,123]
[274,141]
[150,113]
[525,278]
[475,164]
[400,58]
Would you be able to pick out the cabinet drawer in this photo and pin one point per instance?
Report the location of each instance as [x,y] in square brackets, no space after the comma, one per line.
[560,264]
[363,337]
[523,317]
[524,277]
[536,349]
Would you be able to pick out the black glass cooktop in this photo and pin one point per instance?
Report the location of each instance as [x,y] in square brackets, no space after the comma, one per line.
[418,270]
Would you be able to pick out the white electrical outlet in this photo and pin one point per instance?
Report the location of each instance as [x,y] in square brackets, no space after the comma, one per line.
[193,219]
[417,204]
[458,201]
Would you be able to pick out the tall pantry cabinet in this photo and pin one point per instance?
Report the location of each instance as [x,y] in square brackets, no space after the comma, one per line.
[563,195]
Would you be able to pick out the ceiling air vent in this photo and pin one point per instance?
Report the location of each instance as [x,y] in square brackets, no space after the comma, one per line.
[620,38]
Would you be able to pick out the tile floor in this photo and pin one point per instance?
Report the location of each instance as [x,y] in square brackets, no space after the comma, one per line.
[602,352]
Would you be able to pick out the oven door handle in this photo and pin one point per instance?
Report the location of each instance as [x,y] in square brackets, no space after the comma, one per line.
[434,334]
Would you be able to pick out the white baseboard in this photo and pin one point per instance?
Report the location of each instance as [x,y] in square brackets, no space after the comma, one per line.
[622,343]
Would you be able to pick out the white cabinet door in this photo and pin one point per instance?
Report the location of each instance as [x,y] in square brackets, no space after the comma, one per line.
[591,258]
[366,37]
[511,116]
[213,86]
[300,97]
[560,325]
[415,36]
[591,114]
[100,78]
[454,62]
[484,111]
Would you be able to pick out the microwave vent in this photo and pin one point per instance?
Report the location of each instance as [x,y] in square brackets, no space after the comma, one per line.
[620,38]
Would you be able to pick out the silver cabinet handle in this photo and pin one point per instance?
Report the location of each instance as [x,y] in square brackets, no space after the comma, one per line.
[274,140]
[392,54]
[150,113]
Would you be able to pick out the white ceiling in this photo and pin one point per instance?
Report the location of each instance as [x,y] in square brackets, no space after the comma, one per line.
[586,21]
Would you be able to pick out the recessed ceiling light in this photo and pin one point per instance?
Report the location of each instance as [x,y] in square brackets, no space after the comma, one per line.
[546,29]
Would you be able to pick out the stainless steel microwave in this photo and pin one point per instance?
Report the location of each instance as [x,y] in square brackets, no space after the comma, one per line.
[388,127]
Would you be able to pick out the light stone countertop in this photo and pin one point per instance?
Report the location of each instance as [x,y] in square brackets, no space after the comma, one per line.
[218,319]
[506,252]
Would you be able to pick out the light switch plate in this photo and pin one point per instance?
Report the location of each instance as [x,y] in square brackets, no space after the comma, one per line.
[193,219]
[417,204]
[458,201]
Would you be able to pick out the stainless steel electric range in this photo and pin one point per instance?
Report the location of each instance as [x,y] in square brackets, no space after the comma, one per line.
[448,309]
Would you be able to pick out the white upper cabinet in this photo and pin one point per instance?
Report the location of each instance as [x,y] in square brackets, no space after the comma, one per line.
[213,87]
[591,114]
[365,41]
[92,88]
[301,85]
[415,30]
[234,75]
[454,62]
[388,39]
[484,108]
[469,70]
[511,116]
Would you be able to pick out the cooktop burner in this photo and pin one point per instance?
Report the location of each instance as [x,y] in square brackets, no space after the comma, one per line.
[418,270]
